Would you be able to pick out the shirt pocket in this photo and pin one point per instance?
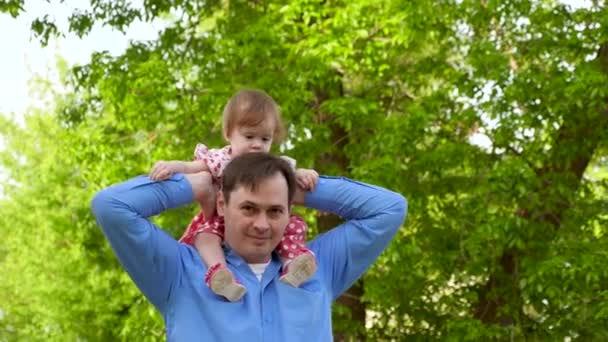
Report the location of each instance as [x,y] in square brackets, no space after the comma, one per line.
[305,304]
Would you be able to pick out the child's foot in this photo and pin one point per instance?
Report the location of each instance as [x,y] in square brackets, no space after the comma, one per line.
[299,270]
[221,281]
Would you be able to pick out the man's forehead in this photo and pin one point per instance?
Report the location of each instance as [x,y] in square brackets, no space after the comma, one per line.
[262,196]
[264,204]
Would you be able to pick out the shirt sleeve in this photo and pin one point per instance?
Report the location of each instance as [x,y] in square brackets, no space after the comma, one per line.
[149,255]
[373,216]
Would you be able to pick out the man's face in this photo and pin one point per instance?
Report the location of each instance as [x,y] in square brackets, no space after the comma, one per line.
[255,220]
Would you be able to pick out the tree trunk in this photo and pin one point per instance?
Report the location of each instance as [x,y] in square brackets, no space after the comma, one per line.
[574,146]
[335,159]
[350,299]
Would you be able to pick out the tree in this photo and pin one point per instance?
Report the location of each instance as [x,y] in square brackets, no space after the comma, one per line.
[505,240]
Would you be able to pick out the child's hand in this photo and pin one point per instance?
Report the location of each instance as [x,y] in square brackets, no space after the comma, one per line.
[307,178]
[164,169]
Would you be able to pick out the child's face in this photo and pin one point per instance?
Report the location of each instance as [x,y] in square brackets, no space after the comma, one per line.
[247,139]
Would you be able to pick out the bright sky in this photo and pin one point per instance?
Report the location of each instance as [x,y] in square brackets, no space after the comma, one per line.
[22,56]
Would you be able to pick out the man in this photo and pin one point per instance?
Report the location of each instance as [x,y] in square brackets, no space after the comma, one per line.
[258,190]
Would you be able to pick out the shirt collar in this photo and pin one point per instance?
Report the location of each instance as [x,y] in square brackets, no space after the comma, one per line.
[236,260]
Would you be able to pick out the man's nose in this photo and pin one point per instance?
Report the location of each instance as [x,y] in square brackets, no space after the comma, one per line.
[261,223]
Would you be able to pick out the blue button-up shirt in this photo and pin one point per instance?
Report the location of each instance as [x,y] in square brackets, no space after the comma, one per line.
[170,274]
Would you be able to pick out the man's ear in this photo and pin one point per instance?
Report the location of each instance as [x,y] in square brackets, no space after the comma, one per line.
[220,203]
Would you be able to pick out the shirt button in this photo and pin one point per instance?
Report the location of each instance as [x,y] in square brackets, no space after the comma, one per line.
[268,320]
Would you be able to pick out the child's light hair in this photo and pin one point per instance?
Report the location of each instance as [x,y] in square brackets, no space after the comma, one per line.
[250,107]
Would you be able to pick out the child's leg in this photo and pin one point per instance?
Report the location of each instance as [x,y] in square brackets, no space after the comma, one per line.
[206,192]
[208,202]
[209,247]
[206,197]
[191,231]
[208,242]
[299,262]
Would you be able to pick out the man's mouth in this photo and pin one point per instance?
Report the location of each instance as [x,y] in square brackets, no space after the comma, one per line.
[259,239]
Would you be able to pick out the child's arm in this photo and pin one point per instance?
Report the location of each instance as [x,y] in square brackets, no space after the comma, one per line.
[307,178]
[164,169]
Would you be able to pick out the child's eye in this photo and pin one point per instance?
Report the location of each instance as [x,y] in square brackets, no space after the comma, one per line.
[265,139]
[249,137]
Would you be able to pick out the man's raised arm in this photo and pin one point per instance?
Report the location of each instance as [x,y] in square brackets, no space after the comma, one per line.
[147,253]
[373,217]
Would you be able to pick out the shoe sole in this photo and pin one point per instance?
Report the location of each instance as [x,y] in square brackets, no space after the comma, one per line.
[302,268]
[223,284]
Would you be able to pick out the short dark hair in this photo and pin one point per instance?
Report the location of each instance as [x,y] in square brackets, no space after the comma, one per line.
[251,168]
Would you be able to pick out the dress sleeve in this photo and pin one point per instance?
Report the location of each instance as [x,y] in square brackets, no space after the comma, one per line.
[201,152]
[213,158]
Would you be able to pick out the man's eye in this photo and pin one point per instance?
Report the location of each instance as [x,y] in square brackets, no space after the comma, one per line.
[247,210]
[275,212]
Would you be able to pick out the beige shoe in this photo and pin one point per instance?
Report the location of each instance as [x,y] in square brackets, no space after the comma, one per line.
[222,282]
[299,270]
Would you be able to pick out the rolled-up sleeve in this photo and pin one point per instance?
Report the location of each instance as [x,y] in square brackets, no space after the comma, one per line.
[148,254]
[373,216]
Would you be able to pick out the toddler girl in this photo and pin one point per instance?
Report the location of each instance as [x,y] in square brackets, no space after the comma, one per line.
[251,123]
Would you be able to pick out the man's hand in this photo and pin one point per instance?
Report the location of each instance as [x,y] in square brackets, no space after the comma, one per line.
[307,178]
[164,169]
